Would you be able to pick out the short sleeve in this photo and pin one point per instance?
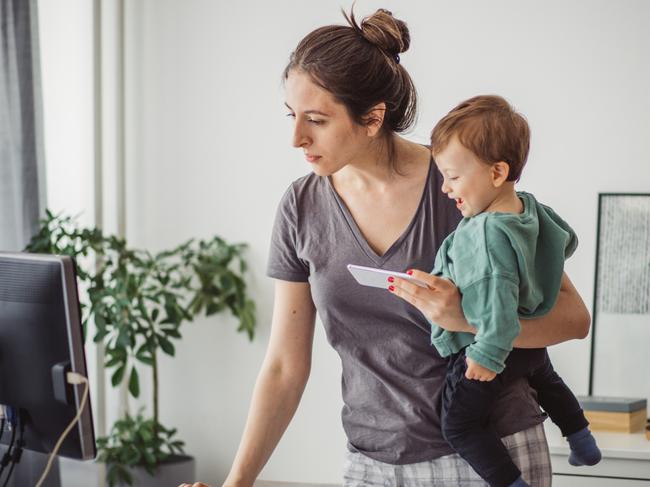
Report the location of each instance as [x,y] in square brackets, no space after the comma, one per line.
[284,262]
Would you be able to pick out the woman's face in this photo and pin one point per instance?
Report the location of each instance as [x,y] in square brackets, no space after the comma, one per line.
[322,127]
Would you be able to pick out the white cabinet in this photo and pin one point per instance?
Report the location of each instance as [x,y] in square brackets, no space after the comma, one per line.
[570,481]
[625,463]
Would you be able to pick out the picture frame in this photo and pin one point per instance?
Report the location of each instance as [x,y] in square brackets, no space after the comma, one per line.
[620,344]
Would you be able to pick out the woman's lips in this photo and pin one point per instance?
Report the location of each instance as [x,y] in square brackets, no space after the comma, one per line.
[459,202]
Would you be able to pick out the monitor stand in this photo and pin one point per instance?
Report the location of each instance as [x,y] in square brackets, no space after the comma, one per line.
[30,468]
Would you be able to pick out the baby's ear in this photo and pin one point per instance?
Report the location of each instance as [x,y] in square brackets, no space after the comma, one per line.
[499,172]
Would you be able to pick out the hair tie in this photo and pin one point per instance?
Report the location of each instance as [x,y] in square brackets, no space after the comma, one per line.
[397,58]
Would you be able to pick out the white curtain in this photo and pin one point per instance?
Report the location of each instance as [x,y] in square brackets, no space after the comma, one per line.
[22,174]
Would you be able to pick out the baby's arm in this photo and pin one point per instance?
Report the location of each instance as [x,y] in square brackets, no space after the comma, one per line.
[491,306]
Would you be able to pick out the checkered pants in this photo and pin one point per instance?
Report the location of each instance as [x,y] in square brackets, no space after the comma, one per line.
[527,448]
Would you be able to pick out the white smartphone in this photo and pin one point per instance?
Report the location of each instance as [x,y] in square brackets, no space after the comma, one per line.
[370,276]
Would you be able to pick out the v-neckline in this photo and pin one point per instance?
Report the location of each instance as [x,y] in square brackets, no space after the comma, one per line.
[380,260]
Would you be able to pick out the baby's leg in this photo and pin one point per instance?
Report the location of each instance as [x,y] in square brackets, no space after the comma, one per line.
[563,408]
[466,405]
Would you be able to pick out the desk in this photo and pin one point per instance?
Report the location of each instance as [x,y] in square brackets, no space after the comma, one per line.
[625,463]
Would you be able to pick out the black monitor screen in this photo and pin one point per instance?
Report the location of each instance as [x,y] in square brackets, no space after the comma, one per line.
[40,340]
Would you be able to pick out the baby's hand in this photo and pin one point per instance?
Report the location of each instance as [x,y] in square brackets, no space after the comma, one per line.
[477,372]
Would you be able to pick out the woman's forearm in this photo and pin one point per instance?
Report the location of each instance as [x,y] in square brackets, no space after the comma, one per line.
[275,399]
[569,319]
[441,303]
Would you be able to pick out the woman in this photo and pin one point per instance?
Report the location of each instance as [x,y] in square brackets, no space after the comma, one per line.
[374,199]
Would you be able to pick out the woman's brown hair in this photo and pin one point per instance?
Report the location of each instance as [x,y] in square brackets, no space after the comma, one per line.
[360,65]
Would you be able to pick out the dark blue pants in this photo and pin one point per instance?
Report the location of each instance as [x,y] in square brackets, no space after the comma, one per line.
[466,406]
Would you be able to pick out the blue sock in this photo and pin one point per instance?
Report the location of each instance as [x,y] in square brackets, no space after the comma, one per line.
[583,448]
[520,482]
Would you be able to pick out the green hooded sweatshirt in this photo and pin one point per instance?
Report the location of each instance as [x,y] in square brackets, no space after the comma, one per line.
[506,266]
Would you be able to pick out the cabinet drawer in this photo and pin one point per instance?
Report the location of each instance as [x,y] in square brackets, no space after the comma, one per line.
[578,481]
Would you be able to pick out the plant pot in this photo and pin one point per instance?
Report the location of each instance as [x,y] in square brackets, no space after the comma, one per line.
[29,470]
[173,472]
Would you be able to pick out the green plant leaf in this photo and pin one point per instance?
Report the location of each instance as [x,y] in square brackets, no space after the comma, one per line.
[113,361]
[171,332]
[118,375]
[166,345]
[134,383]
[100,335]
[214,307]
[123,338]
[144,354]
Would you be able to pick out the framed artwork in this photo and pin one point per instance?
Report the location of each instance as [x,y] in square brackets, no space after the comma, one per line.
[620,347]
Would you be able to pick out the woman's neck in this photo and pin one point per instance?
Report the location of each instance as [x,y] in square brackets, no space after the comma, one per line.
[374,170]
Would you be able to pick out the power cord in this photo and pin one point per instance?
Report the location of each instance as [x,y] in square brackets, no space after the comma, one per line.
[2,425]
[72,378]
[6,458]
[16,453]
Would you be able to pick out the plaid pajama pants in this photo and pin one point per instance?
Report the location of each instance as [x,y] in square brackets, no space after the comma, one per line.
[527,448]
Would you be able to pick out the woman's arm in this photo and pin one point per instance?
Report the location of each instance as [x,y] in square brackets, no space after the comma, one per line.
[568,319]
[280,383]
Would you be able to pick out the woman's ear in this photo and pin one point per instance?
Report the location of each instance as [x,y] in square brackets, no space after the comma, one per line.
[499,172]
[374,119]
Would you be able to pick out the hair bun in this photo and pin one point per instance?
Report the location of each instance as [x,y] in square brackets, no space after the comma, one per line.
[385,31]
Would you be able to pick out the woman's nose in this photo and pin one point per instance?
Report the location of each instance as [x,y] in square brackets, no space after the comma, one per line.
[300,139]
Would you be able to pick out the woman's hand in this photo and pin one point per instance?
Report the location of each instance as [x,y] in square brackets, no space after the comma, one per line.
[440,302]
[476,371]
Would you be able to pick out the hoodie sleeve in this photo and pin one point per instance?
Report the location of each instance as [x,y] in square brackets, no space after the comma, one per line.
[490,293]
[490,305]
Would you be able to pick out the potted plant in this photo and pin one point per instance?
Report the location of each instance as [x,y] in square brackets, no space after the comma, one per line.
[138,302]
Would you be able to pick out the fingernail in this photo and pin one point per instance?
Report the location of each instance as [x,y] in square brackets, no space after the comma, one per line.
[391,279]
[409,272]
[391,288]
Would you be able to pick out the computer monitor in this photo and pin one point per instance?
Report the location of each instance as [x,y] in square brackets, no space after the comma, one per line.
[40,341]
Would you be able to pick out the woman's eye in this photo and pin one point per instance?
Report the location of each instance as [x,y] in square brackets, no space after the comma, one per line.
[310,120]
[453,179]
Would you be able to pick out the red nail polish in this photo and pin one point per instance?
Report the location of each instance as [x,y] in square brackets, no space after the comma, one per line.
[391,279]
[391,288]
[409,272]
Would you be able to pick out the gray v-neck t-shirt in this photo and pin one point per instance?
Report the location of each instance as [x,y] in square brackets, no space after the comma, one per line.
[392,375]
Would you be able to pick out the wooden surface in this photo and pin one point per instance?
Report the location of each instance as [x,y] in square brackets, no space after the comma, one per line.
[622,422]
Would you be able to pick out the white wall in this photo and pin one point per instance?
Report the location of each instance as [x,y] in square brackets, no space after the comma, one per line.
[65,30]
[208,152]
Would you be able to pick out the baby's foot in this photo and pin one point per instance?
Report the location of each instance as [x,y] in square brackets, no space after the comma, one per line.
[584,450]
[520,482]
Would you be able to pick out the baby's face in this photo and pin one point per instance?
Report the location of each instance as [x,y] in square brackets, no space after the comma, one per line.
[467,179]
